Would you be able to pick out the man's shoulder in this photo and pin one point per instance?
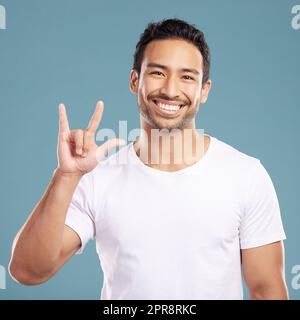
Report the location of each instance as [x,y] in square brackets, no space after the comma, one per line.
[233,157]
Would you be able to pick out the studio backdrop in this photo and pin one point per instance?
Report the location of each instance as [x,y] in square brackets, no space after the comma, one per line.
[79,52]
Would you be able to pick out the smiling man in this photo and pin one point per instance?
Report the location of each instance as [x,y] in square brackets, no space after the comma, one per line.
[183,217]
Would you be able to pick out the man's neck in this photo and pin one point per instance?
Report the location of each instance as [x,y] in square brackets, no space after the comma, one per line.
[171,150]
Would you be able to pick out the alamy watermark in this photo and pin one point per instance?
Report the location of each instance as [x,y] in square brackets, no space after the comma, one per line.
[296,279]
[2,17]
[296,17]
[2,277]
[164,146]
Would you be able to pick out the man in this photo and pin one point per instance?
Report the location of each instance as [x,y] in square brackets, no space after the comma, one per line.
[176,229]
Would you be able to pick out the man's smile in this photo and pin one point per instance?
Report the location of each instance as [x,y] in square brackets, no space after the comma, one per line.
[167,108]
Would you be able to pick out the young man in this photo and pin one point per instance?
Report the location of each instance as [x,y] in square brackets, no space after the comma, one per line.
[177,229]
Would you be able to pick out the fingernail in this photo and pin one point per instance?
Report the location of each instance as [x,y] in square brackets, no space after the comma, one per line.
[84,154]
[79,151]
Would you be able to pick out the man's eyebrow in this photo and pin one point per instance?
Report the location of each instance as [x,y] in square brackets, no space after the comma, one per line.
[157,65]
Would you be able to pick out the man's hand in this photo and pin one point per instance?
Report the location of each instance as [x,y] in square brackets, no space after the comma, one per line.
[77,151]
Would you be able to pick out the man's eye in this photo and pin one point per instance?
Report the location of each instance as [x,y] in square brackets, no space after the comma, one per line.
[188,78]
[156,72]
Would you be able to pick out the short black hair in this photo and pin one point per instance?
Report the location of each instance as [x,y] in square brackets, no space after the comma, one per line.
[173,29]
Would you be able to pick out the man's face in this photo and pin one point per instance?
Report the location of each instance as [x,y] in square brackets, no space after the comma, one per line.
[169,89]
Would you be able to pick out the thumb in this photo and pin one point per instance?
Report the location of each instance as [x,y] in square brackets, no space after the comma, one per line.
[107,146]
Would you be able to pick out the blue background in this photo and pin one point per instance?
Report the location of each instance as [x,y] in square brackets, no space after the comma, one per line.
[77,52]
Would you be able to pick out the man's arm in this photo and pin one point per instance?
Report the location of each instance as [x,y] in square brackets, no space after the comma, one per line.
[263,269]
[45,243]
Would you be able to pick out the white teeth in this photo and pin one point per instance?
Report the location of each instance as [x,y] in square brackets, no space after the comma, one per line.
[168,107]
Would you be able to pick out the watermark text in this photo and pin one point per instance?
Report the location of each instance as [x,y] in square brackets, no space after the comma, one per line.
[296,17]
[2,17]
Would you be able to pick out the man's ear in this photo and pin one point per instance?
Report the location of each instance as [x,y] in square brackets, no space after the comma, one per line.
[134,81]
[205,91]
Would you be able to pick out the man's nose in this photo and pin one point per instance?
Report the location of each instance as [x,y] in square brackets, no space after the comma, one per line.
[170,87]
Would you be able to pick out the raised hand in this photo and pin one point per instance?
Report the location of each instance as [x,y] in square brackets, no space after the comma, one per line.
[77,151]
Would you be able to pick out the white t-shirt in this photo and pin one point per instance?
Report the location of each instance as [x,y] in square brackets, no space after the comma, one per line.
[175,235]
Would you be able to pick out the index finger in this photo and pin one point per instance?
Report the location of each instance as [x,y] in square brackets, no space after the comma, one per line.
[63,119]
[96,117]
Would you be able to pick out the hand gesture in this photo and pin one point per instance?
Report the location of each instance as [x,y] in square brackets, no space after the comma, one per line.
[77,151]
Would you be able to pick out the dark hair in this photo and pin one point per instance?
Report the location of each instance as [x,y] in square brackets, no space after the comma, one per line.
[173,29]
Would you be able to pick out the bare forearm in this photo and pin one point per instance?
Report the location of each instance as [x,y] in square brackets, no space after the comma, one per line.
[39,242]
[270,292]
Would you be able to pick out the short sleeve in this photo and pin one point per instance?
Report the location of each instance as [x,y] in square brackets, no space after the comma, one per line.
[261,222]
[80,215]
